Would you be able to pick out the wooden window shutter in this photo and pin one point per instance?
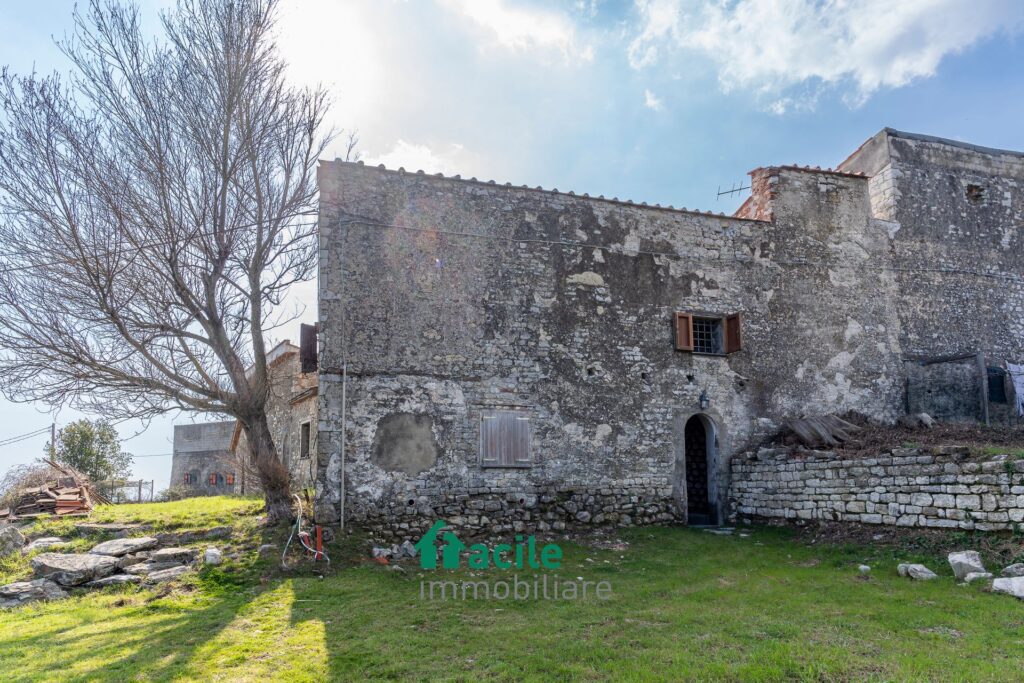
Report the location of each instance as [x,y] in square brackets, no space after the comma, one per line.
[490,443]
[732,332]
[213,479]
[520,441]
[684,332]
[505,439]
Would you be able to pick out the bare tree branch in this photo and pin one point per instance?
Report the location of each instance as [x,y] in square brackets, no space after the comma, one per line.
[154,208]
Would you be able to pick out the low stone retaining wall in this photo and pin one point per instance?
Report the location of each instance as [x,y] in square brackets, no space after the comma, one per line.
[498,512]
[906,487]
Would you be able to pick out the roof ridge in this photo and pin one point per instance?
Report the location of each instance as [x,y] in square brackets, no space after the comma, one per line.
[614,200]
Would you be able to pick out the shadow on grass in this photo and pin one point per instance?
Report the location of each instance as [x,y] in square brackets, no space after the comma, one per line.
[130,634]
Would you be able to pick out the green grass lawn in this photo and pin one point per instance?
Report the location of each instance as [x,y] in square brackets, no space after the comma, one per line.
[686,605]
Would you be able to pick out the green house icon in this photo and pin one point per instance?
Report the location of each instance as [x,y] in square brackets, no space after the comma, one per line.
[427,547]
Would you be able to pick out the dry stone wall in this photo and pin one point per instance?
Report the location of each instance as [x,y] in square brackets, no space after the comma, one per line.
[941,488]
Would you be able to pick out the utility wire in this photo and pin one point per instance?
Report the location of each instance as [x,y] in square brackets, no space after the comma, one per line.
[23,437]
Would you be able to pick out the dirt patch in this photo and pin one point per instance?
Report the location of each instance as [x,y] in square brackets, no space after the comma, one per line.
[874,439]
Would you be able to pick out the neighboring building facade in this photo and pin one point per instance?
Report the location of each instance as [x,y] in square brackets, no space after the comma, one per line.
[202,459]
[527,359]
[291,414]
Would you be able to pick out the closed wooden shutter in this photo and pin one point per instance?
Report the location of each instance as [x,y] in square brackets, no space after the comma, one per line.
[505,439]
[684,332]
[212,479]
[732,333]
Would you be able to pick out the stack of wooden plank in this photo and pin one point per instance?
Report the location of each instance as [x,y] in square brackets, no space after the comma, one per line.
[64,496]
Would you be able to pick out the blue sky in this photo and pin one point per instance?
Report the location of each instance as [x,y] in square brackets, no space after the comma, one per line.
[655,100]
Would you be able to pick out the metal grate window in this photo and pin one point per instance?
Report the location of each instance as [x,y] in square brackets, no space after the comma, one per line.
[707,335]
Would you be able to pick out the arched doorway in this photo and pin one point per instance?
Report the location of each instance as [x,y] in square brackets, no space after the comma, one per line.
[699,449]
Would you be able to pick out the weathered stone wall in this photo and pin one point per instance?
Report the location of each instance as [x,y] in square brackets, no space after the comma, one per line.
[956,215]
[201,450]
[291,401]
[940,488]
[450,298]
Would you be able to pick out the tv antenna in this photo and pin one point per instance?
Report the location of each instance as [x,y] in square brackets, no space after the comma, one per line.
[732,190]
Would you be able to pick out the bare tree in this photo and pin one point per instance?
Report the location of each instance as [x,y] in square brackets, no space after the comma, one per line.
[155,206]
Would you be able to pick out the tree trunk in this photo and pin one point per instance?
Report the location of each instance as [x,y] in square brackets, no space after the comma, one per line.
[274,477]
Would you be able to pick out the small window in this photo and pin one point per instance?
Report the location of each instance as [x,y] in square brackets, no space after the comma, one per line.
[996,385]
[305,433]
[188,478]
[707,335]
[711,334]
[229,478]
[505,439]
[308,347]
[975,194]
[212,479]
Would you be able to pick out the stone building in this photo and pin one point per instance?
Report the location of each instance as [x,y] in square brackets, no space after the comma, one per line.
[516,358]
[202,460]
[291,414]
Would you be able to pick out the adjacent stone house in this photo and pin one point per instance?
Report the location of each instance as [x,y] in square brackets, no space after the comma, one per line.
[291,414]
[514,358]
[202,461]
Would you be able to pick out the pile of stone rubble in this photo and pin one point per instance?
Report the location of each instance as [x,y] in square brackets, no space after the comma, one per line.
[119,561]
[968,568]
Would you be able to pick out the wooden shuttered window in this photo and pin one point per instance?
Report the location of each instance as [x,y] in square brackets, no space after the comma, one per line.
[732,325]
[229,478]
[212,479]
[684,332]
[505,439]
[708,333]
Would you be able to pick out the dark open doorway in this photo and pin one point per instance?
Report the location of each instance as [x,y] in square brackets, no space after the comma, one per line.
[698,500]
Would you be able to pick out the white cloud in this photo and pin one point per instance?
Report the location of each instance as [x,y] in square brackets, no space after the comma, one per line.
[769,46]
[651,101]
[417,157]
[520,29]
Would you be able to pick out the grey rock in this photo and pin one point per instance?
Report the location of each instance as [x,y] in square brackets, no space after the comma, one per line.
[175,555]
[917,420]
[129,560]
[212,556]
[114,580]
[124,546]
[864,569]
[73,570]
[965,562]
[971,577]
[583,516]
[1014,570]
[22,592]
[381,552]
[408,549]
[918,572]
[267,550]
[150,567]
[167,574]
[1010,585]
[42,543]
[11,540]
